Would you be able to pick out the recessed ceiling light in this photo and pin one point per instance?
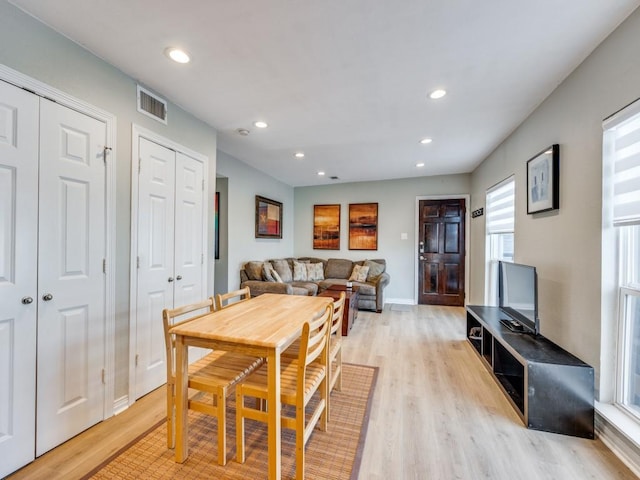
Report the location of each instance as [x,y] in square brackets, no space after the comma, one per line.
[177,55]
[242,131]
[439,93]
[299,155]
[419,165]
[424,141]
[261,124]
[320,173]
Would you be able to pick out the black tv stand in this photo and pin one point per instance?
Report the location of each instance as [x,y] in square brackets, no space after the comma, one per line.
[550,389]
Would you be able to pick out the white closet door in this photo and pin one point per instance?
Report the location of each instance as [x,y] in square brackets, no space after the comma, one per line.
[18,275]
[71,293]
[156,198]
[189,231]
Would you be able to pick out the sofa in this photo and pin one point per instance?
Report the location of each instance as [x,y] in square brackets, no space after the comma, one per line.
[310,276]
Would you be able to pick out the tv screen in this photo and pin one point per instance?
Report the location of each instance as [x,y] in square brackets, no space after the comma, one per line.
[518,295]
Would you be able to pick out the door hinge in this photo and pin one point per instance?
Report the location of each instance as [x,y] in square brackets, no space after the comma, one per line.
[104,265]
[137,262]
[203,184]
[139,164]
[136,360]
[202,259]
[103,375]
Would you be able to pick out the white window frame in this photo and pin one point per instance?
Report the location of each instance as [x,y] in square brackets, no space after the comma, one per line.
[493,235]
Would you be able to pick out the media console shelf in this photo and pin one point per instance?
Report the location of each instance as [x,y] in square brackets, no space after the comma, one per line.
[551,389]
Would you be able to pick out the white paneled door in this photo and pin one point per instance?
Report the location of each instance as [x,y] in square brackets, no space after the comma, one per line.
[170,254]
[71,280]
[18,275]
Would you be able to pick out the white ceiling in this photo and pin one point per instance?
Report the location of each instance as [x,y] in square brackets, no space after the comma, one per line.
[346,81]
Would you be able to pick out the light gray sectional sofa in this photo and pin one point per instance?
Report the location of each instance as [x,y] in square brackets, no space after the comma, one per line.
[310,276]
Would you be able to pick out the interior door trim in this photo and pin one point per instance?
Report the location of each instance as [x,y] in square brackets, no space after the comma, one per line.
[416,229]
[138,132]
[43,90]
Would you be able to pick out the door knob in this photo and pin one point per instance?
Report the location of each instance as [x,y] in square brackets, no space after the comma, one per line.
[421,257]
[170,279]
[47,297]
[179,277]
[27,300]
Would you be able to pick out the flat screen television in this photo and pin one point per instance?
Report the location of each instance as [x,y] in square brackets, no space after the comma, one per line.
[518,296]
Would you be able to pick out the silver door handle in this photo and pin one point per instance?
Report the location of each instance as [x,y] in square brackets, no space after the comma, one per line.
[47,297]
[170,279]
[27,300]
[179,277]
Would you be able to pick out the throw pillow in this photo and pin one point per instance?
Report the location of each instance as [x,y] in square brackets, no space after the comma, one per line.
[283,269]
[254,270]
[359,273]
[276,277]
[299,271]
[266,272]
[375,270]
[314,272]
[338,268]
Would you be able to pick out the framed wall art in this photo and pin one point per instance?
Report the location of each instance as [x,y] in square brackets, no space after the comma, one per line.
[326,227]
[216,224]
[268,218]
[363,226]
[543,181]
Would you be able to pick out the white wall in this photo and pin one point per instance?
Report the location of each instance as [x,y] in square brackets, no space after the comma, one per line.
[244,183]
[37,51]
[565,245]
[396,214]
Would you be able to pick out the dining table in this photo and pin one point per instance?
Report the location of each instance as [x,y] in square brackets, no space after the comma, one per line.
[263,326]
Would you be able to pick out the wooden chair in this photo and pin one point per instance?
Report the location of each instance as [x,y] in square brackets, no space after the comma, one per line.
[335,345]
[223,299]
[216,373]
[300,378]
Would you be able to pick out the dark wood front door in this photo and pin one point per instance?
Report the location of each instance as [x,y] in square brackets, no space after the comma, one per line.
[441,252]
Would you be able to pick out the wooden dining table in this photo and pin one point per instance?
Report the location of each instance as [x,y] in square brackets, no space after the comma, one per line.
[263,326]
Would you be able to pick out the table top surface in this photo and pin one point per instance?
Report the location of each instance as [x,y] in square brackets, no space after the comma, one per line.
[269,320]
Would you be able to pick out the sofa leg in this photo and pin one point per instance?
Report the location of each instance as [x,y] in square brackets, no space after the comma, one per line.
[379,311]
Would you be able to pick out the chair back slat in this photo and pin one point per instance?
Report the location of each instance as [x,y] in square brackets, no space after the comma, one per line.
[223,300]
[315,337]
[338,307]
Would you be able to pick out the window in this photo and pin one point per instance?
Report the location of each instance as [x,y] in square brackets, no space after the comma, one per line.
[500,207]
[621,211]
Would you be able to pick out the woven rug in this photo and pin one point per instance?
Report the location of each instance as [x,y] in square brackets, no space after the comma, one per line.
[334,454]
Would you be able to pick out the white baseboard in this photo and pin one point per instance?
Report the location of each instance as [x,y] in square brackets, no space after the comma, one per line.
[401,301]
[619,434]
[120,404]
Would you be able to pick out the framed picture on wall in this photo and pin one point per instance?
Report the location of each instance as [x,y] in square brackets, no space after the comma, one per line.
[326,227]
[268,218]
[543,181]
[216,224]
[363,226]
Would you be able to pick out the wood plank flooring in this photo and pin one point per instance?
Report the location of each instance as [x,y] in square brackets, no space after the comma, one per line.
[437,414]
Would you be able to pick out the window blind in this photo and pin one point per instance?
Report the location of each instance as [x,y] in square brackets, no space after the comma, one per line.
[622,147]
[501,207]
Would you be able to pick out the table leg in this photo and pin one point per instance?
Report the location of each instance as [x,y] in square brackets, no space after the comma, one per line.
[273,409]
[181,424]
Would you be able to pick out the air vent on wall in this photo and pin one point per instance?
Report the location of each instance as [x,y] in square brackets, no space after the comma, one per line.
[152,105]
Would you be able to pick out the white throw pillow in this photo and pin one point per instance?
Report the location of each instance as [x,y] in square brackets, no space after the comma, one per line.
[315,272]
[299,271]
[359,273]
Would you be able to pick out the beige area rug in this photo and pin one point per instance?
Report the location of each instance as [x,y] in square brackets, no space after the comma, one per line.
[334,454]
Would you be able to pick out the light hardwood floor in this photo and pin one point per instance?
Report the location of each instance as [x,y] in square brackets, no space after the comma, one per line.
[437,414]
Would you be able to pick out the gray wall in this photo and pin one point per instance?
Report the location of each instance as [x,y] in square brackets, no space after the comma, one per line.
[396,214]
[221,280]
[565,245]
[37,51]
[244,183]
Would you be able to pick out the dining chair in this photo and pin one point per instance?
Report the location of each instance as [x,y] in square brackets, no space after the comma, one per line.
[300,379]
[335,346]
[215,374]
[223,300]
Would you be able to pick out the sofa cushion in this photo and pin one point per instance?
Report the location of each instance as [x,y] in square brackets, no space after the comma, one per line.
[338,268]
[375,270]
[269,273]
[311,288]
[359,273]
[299,271]
[282,267]
[315,271]
[366,289]
[254,270]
